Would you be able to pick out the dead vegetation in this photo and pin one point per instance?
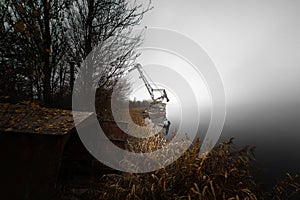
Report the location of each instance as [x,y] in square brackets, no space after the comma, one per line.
[30,117]
[288,188]
[136,115]
[225,173]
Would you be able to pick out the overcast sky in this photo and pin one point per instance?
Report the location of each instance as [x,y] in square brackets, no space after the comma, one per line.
[254,44]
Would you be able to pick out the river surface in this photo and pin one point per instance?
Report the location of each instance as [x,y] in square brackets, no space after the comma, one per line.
[275,131]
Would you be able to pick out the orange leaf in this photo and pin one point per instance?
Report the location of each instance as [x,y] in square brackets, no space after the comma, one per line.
[20,9]
[5,105]
[19,27]
[33,105]
[36,13]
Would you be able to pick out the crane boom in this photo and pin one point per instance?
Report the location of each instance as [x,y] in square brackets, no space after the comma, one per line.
[148,86]
[142,76]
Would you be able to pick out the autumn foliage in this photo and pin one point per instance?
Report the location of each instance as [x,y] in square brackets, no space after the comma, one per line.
[225,173]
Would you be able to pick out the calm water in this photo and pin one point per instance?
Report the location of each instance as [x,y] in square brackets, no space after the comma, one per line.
[275,133]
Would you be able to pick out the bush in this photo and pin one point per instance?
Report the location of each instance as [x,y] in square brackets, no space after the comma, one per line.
[224,173]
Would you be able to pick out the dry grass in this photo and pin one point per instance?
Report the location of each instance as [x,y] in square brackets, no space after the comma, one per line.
[288,188]
[137,115]
[224,173]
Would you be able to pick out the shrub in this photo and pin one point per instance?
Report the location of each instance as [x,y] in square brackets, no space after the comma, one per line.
[288,188]
[224,173]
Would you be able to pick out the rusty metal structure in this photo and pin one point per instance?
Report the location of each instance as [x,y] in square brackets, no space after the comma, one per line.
[156,112]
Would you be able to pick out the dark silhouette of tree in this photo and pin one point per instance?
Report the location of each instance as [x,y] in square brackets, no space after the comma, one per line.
[36,46]
[44,43]
[101,33]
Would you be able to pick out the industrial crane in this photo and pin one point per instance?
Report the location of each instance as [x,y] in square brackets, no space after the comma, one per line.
[149,88]
[157,109]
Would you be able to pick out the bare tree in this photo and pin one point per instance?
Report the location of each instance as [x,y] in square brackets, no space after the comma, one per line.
[36,44]
[100,32]
[44,43]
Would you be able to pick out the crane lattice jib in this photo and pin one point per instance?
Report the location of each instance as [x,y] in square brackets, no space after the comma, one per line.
[148,86]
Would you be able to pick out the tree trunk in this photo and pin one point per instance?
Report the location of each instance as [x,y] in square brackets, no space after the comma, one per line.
[47,94]
[72,75]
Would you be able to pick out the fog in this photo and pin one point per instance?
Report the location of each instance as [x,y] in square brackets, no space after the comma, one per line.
[255,47]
